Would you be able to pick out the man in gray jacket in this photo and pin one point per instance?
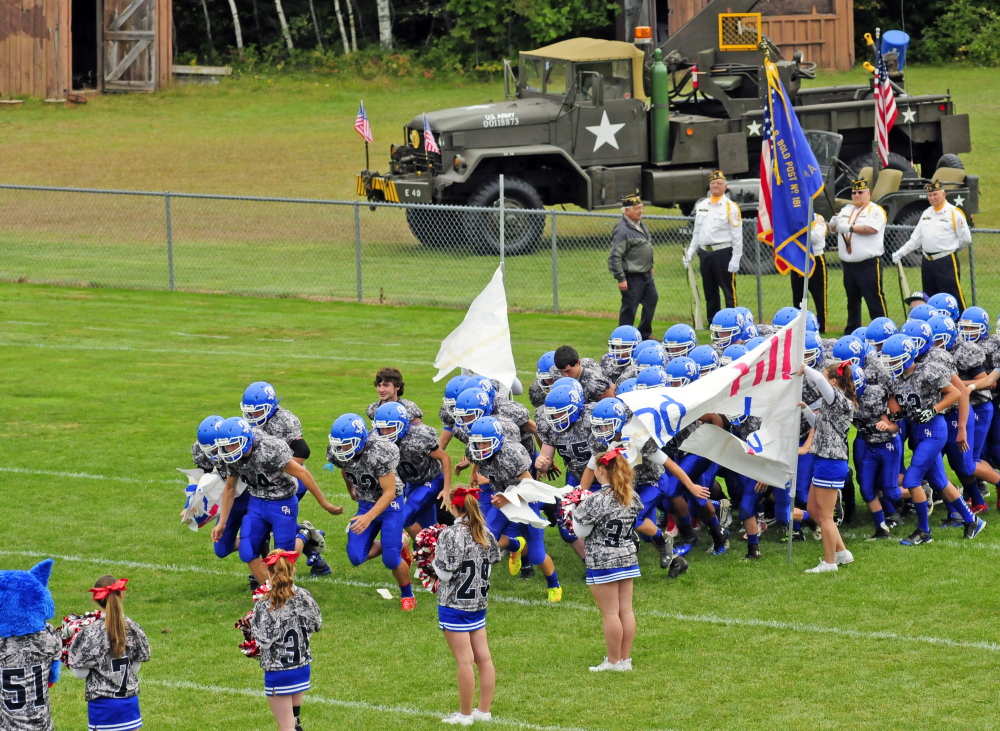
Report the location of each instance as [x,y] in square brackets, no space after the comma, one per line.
[631,263]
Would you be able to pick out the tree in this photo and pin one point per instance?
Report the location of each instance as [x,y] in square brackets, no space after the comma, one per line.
[284,25]
[237,27]
[343,31]
[319,36]
[384,25]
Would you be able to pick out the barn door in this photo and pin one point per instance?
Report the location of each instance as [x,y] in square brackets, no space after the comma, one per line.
[129,45]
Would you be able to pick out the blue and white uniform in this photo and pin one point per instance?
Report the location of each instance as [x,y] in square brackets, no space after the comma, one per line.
[463,568]
[608,531]
[829,444]
[282,635]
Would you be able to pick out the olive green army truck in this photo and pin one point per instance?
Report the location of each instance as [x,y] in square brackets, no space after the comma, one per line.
[586,121]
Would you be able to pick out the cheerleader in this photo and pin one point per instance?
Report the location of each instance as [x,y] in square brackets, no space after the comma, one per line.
[109,654]
[282,622]
[463,560]
[829,449]
[605,521]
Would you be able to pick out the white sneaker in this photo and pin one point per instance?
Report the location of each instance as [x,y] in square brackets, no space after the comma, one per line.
[843,557]
[459,719]
[822,568]
[603,666]
[623,666]
[478,715]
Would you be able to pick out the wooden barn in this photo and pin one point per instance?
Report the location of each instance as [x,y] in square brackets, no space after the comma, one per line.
[49,48]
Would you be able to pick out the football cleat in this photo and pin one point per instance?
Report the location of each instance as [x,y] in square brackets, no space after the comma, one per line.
[555,594]
[407,603]
[514,558]
[753,552]
[665,549]
[797,536]
[725,513]
[678,566]
[917,538]
[317,565]
[974,528]
[313,538]
[979,509]
[892,520]
[254,584]
[881,533]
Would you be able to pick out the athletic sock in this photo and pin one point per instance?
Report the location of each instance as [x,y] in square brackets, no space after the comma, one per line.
[552,580]
[888,506]
[879,517]
[713,522]
[805,516]
[922,517]
[974,493]
[406,591]
[752,539]
[717,505]
[516,544]
[658,538]
[796,525]
[959,506]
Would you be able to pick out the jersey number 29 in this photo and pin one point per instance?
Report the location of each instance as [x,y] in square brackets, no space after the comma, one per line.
[468,573]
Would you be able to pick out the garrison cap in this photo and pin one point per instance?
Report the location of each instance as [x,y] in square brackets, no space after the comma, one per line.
[631,199]
[916,296]
[933,185]
[860,184]
[716,175]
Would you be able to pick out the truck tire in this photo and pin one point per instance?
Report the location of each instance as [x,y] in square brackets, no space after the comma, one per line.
[950,160]
[521,233]
[869,159]
[436,229]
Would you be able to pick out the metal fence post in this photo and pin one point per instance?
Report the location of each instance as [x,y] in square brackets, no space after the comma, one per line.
[170,241]
[760,291]
[972,276]
[555,268]
[357,244]
[503,215]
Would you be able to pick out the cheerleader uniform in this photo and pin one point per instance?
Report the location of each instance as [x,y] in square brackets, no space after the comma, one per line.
[463,568]
[112,690]
[607,529]
[829,445]
[32,662]
[283,638]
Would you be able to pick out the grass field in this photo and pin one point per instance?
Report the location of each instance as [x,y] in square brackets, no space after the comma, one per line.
[105,389]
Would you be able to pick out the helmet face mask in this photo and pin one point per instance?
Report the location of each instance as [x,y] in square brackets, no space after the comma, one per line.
[391,421]
[348,437]
[973,325]
[706,358]
[258,403]
[813,349]
[622,342]
[848,349]
[944,304]
[679,340]
[485,438]
[726,325]
[208,434]
[898,353]
[235,440]
[681,372]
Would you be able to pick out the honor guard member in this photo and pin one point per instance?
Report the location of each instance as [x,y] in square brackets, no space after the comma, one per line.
[631,263]
[718,241]
[817,282]
[861,231]
[941,231]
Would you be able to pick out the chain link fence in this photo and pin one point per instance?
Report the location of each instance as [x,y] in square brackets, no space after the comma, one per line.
[555,261]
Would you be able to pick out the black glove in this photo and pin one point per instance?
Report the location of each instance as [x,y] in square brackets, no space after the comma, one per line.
[926,415]
[553,472]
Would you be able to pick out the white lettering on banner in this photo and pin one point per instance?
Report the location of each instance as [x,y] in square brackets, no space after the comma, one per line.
[505,119]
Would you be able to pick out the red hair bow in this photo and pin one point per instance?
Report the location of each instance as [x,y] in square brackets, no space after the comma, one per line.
[458,496]
[609,456]
[273,558]
[844,365]
[101,593]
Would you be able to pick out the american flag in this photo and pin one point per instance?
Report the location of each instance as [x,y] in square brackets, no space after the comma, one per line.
[429,144]
[361,125]
[885,107]
[765,232]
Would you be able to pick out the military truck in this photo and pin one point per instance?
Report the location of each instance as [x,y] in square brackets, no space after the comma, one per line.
[586,121]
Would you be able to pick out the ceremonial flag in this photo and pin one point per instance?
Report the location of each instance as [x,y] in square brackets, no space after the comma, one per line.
[765,232]
[361,125]
[885,107]
[762,383]
[793,179]
[482,342]
[429,144]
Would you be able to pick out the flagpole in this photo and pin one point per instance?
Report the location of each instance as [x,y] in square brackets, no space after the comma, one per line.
[878,158]
[367,166]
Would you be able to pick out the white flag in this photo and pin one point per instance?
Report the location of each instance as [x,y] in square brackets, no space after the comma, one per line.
[762,383]
[482,342]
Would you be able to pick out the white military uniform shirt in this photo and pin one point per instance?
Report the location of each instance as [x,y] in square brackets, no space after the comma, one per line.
[817,235]
[717,224]
[939,232]
[862,247]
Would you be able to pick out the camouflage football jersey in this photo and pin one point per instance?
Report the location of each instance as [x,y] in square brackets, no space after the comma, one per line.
[261,470]
[470,565]
[518,414]
[945,360]
[832,424]
[921,389]
[284,425]
[446,417]
[876,372]
[612,542]
[630,371]
[991,348]
[413,411]
[535,394]
[109,677]
[745,429]
[504,467]
[765,330]
[872,405]
[378,458]
[200,459]
[592,379]
[970,362]
[611,368]
[646,472]
[283,634]
[416,466]
[812,399]
[573,445]
[25,661]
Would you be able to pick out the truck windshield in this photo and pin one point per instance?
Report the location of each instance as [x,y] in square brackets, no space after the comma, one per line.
[617,77]
[543,76]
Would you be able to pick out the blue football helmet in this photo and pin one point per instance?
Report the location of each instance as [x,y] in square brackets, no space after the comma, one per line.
[922,312]
[451,392]
[235,439]
[472,404]
[920,333]
[563,406]
[813,349]
[733,352]
[945,304]
[543,371]
[651,378]
[607,418]
[726,326]
[208,432]
[348,436]
[626,386]
[849,348]
[485,384]
[679,339]
[974,324]
[622,342]
[485,431]
[784,316]
[945,332]
[898,353]
[651,357]
[860,380]
[259,402]
[812,322]
[644,345]
[753,343]
[391,415]
[747,314]
[879,330]
[681,371]
[861,334]
[750,332]
[572,383]
[706,358]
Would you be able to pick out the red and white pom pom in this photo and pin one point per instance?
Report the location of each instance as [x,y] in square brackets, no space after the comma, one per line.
[423,556]
[249,645]
[567,505]
[71,624]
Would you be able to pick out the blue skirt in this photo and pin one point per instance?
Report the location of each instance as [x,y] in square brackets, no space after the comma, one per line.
[608,576]
[114,714]
[829,473]
[286,682]
[459,620]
